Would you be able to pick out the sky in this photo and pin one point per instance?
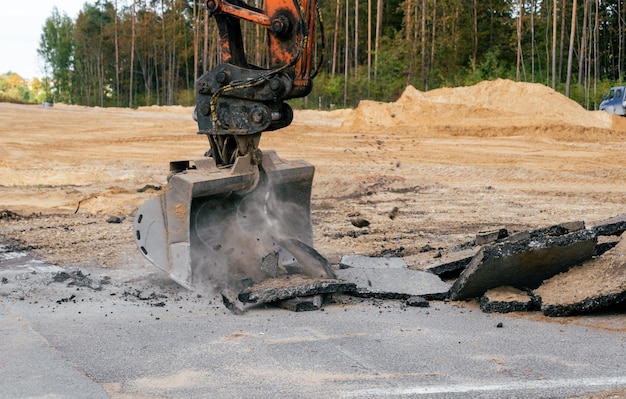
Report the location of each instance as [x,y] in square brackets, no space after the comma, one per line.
[21,25]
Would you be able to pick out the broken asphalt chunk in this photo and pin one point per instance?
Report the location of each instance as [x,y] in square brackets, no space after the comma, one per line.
[507,299]
[551,231]
[394,283]
[232,302]
[452,263]
[522,264]
[292,286]
[368,262]
[303,304]
[614,226]
[485,237]
[309,261]
[598,283]
[605,243]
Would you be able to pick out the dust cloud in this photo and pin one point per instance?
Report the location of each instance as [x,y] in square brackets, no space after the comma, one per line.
[239,240]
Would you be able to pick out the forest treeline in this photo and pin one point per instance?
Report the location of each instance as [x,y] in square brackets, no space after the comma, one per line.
[146,52]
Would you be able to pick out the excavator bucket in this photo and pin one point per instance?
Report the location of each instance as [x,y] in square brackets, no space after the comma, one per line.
[217,229]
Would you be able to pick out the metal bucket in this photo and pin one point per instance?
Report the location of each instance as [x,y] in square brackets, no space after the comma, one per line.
[228,228]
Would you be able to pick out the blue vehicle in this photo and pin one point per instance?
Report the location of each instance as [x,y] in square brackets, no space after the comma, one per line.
[614,101]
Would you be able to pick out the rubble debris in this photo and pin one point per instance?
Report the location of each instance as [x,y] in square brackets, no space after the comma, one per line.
[596,284]
[76,278]
[523,264]
[507,299]
[61,277]
[451,264]
[485,237]
[614,226]
[417,301]
[394,283]
[372,263]
[71,298]
[356,233]
[303,304]
[9,215]
[142,297]
[292,286]
[359,222]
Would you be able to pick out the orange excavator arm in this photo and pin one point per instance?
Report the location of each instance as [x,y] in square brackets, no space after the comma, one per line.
[236,101]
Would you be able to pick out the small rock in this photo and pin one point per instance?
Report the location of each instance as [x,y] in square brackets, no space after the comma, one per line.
[114,219]
[393,213]
[426,248]
[149,187]
[359,222]
[417,301]
[499,325]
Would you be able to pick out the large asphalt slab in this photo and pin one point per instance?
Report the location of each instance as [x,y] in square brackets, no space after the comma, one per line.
[134,334]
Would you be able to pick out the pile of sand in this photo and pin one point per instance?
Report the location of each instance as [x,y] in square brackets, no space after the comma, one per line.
[494,104]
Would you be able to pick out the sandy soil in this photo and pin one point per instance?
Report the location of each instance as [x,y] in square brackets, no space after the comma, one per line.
[452,161]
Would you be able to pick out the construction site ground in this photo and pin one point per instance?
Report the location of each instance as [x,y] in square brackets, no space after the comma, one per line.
[428,172]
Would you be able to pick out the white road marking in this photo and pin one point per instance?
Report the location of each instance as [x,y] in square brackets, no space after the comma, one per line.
[610,382]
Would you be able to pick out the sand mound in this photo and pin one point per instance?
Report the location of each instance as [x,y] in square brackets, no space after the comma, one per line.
[499,103]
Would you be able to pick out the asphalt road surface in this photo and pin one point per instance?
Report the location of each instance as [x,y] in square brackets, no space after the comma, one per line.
[134,334]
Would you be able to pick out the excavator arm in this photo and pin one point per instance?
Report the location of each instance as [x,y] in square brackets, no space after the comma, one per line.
[237,101]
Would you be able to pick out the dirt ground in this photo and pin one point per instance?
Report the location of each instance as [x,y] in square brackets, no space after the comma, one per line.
[447,163]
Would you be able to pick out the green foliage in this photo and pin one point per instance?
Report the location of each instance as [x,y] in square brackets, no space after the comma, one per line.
[490,67]
[185,97]
[143,54]
[13,88]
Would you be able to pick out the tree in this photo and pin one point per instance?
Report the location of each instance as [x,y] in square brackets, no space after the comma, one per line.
[571,50]
[149,51]
[554,19]
[56,47]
